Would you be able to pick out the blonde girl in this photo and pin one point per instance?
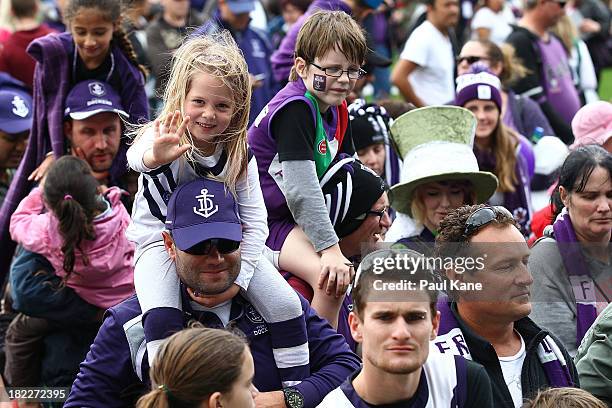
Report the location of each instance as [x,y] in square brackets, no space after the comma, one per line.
[201,132]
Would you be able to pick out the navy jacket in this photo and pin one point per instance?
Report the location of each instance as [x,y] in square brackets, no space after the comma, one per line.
[115,371]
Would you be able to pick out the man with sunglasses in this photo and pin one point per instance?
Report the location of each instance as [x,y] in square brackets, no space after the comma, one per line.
[203,239]
[491,326]
[394,321]
[549,80]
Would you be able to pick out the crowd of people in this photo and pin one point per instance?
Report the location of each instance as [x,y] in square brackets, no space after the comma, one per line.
[306,203]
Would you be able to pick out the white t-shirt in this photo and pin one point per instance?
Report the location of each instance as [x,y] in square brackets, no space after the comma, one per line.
[511,368]
[432,51]
[497,24]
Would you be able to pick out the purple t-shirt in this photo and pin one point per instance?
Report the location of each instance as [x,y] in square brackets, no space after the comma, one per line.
[558,83]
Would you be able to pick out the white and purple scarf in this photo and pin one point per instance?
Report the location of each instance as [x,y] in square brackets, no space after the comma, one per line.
[580,278]
[451,339]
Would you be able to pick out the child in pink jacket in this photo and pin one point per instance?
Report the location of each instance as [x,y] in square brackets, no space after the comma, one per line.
[81,232]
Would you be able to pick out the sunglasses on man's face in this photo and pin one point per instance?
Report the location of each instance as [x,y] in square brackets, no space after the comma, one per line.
[224,247]
[470,59]
[484,216]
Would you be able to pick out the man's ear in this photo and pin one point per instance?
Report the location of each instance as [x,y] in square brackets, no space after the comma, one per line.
[435,326]
[355,325]
[169,244]
[301,67]
[68,130]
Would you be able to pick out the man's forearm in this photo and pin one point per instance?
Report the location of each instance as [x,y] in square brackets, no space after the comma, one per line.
[408,93]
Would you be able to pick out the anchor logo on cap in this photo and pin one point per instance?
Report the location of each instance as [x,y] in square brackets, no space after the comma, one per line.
[207,206]
[19,107]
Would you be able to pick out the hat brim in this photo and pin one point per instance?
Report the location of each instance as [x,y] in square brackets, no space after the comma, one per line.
[187,237]
[485,185]
[16,126]
[88,114]
[241,7]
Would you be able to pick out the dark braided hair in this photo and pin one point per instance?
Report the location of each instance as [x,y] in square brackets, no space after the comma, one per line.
[112,11]
[71,193]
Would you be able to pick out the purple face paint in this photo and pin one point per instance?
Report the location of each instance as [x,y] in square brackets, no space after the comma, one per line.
[319,82]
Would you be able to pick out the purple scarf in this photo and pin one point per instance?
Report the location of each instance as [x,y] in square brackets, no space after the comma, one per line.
[578,273]
[517,202]
[451,339]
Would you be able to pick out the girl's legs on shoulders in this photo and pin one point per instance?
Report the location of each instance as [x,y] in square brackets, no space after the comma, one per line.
[298,257]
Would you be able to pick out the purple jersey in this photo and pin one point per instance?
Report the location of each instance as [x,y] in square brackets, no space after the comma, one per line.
[263,145]
[558,84]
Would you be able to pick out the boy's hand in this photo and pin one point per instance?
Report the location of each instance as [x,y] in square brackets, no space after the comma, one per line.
[167,137]
[336,270]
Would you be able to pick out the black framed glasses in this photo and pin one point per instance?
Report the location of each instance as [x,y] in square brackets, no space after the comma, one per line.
[484,216]
[470,59]
[380,214]
[336,72]
[224,247]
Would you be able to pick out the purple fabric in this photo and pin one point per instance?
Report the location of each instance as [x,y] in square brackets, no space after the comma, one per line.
[263,145]
[202,209]
[93,96]
[282,59]
[549,353]
[517,202]
[51,85]
[575,265]
[558,83]
[472,92]
[523,114]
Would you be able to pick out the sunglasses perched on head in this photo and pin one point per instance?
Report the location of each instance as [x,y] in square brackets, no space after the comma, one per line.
[484,216]
[224,247]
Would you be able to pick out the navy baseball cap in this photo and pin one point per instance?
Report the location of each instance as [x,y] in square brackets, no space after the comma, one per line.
[88,98]
[15,111]
[241,6]
[200,210]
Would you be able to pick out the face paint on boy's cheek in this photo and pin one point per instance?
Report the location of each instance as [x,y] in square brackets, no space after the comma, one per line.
[319,82]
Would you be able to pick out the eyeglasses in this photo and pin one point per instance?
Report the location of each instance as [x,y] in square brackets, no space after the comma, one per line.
[224,247]
[380,214]
[470,60]
[482,217]
[336,72]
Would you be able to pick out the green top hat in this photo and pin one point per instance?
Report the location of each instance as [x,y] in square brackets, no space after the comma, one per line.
[443,123]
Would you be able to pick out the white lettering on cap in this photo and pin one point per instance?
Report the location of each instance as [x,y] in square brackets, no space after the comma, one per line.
[484,92]
[19,107]
[207,205]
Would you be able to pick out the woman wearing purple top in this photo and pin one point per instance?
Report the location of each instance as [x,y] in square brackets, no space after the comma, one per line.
[571,264]
[498,148]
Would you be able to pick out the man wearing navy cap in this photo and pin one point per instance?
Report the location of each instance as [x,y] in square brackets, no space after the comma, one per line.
[203,239]
[93,114]
[15,124]
[93,128]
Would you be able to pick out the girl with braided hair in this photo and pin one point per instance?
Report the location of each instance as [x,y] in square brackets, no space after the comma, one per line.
[95,47]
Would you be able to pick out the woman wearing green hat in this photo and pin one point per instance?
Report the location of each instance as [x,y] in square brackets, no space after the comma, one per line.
[439,173]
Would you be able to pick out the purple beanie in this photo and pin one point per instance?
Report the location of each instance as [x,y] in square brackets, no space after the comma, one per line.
[482,86]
